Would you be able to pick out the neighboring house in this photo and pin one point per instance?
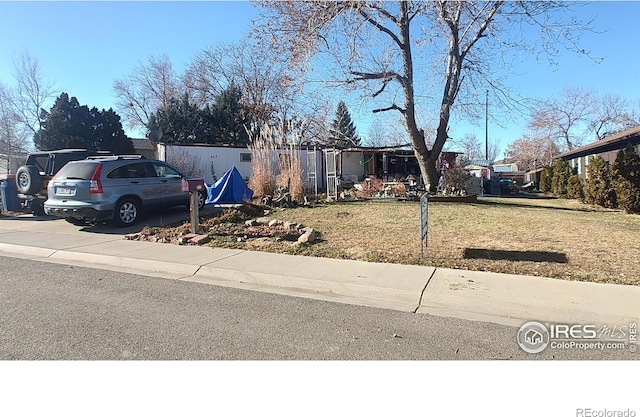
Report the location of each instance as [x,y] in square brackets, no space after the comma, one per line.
[144,147]
[505,169]
[479,171]
[607,148]
[533,176]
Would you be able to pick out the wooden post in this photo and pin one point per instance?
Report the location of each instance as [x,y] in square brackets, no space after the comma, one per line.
[194,212]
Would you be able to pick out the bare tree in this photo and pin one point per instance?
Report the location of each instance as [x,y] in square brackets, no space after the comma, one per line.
[187,163]
[565,119]
[32,92]
[374,41]
[613,114]
[267,85]
[473,148]
[13,139]
[533,151]
[149,87]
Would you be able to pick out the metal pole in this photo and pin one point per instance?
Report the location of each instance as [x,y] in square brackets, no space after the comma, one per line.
[486,126]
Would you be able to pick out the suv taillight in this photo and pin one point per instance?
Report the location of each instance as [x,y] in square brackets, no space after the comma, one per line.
[95,186]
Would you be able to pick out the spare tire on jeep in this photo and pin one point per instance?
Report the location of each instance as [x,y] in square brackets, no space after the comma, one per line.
[28,180]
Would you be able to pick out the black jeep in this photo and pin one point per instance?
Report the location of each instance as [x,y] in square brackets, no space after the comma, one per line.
[33,177]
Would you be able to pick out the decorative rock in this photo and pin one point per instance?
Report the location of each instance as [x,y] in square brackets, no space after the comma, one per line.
[273,223]
[308,237]
[200,239]
[300,226]
[287,225]
[262,220]
[251,222]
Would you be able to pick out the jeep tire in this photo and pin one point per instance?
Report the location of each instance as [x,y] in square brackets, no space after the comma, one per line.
[28,180]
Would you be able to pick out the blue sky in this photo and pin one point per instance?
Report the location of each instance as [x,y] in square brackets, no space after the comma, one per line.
[84,46]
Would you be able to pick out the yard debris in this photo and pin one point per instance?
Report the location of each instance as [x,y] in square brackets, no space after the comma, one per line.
[232,229]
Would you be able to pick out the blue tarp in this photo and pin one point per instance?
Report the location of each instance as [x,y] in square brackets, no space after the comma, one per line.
[230,189]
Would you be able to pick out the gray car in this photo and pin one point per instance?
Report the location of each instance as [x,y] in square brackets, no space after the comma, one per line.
[115,188]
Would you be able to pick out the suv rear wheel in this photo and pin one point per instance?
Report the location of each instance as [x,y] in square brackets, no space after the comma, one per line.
[127,212]
[28,180]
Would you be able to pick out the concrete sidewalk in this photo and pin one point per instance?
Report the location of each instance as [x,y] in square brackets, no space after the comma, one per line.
[498,298]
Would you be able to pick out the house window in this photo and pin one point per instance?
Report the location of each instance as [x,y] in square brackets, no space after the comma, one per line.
[245,157]
[586,164]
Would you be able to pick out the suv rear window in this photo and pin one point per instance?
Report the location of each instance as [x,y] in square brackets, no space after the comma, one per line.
[77,171]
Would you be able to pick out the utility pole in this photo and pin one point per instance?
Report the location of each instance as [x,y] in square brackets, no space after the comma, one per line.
[486,125]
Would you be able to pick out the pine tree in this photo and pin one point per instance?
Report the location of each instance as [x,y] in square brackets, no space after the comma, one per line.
[342,132]
[626,171]
[560,179]
[599,188]
[545,179]
[68,124]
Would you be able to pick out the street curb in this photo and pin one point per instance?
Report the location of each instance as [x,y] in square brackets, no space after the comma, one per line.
[392,298]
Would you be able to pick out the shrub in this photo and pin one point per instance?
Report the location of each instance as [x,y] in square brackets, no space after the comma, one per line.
[275,162]
[598,188]
[545,179]
[457,180]
[574,188]
[560,179]
[290,176]
[626,171]
[263,178]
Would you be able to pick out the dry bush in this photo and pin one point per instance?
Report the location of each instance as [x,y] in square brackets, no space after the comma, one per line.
[291,173]
[262,147]
[266,174]
[186,163]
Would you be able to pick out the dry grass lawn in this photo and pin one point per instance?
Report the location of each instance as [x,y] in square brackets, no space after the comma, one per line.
[529,236]
[524,235]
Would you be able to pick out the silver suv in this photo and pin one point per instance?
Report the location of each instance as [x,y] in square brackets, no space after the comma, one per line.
[115,188]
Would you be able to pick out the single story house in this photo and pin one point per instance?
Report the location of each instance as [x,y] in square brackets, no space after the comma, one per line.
[212,161]
[607,148]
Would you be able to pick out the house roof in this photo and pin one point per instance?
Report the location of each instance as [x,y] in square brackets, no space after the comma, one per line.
[612,143]
[143,144]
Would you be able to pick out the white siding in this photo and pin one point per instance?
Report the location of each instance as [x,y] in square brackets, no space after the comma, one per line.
[214,160]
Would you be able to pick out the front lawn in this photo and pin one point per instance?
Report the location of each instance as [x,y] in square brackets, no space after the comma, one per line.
[525,235]
[531,236]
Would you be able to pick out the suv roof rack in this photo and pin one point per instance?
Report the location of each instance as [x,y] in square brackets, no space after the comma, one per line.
[115,157]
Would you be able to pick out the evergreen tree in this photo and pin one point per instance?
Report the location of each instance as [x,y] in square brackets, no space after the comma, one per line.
[626,171]
[560,179]
[598,188]
[574,188]
[545,179]
[342,133]
[71,125]
[232,117]
[108,134]
[181,122]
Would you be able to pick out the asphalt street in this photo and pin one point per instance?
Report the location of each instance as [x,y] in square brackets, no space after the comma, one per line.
[51,311]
